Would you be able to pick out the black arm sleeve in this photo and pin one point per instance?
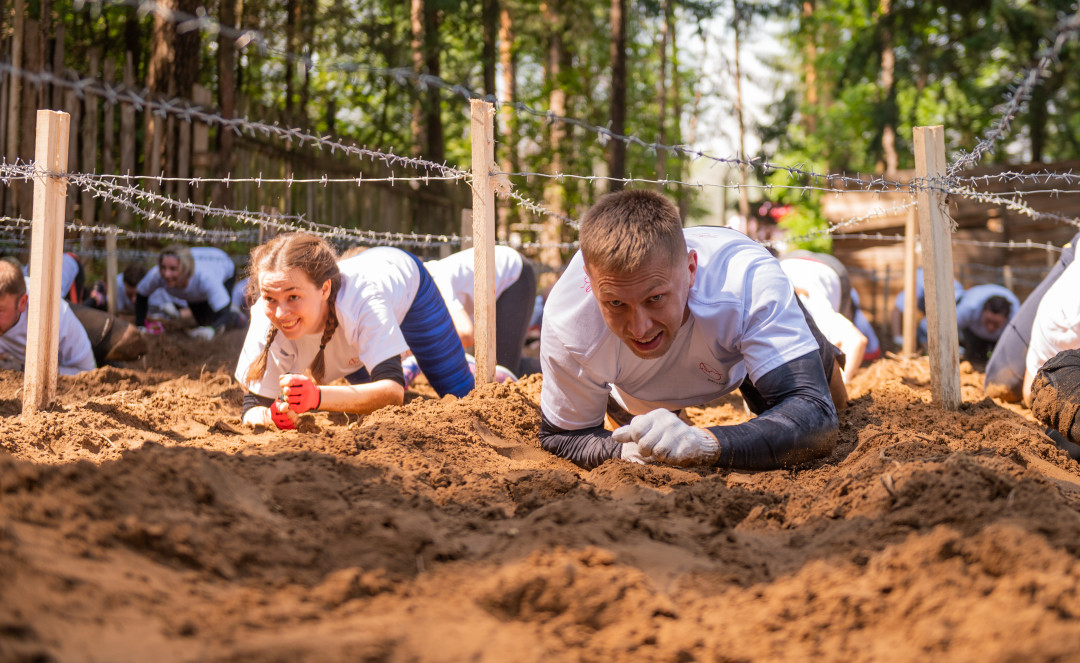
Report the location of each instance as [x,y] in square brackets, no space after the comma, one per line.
[798,425]
[588,447]
[142,305]
[253,400]
[389,370]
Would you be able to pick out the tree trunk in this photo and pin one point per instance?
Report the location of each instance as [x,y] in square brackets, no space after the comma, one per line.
[554,192]
[888,89]
[292,11]
[15,96]
[617,148]
[435,149]
[810,68]
[509,162]
[416,45]
[661,93]
[744,195]
[227,102]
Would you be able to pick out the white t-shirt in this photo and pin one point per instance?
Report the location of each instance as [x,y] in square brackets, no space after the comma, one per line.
[157,300]
[378,287]
[816,278]
[69,269]
[207,282]
[1057,324]
[75,353]
[454,276]
[743,320]
[969,310]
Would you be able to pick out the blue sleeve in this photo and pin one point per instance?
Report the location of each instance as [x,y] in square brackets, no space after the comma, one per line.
[798,424]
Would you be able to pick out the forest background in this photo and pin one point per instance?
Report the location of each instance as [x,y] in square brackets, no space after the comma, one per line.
[851,81]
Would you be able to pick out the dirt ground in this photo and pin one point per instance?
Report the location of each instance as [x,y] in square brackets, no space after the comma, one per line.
[139,521]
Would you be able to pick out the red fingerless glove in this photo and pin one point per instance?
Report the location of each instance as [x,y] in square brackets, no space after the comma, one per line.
[281,419]
[303,394]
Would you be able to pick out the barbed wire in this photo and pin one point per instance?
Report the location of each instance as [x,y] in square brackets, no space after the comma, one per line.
[1040,177]
[875,213]
[1011,204]
[1064,31]
[1012,245]
[423,81]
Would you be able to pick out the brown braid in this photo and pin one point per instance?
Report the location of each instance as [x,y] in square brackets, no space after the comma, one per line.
[258,367]
[318,366]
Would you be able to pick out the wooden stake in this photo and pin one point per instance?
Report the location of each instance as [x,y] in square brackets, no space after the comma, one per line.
[911,229]
[483,226]
[111,270]
[46,252]
[935,228]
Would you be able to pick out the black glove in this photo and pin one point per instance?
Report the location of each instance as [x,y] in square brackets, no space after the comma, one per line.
[1055,394]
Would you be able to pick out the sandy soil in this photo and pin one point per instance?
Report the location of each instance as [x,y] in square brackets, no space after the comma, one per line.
[139,521]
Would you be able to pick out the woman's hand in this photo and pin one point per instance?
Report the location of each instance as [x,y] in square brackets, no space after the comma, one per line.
[301,392]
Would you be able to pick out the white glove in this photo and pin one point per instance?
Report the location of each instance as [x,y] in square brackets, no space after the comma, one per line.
[169,309]
[204,333]
[663,436]
[631,452]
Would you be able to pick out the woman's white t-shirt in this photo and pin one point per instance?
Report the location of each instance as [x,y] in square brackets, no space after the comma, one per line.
[378,287]
[744,320]
[206,284]
[454,276]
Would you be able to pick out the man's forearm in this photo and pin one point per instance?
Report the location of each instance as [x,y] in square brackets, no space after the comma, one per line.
[587,448]
[798,423]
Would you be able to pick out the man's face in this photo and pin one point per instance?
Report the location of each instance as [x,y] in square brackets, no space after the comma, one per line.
[132,291]
[646,308]
[170,271]
[11,307]
[992,322]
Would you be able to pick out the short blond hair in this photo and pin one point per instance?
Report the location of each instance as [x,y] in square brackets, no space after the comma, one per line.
[183,255]
[12,281]
[623,230]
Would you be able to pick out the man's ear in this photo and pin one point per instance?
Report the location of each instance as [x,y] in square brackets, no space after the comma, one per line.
[691,260]
[22,302]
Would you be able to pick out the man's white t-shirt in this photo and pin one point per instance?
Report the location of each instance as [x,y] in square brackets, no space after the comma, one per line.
[378,287]
[969,310]
[816,278]
[1057,324]
[454,276]
[75,352]
[207,282]
[744,320]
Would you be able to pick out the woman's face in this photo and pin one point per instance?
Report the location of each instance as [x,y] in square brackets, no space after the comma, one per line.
[294,304]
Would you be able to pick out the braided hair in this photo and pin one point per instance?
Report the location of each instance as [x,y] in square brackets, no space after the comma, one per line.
[318,261]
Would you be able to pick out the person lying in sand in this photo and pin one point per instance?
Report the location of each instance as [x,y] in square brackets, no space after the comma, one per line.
[317,320]
[75,353]
[649,318]
[202,276]
[515,292]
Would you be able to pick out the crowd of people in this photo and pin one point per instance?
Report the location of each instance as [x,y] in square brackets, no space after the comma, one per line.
[647,318]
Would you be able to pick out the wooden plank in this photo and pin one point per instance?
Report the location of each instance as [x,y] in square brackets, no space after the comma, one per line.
[127,137]
[910,235]
[483,217]
[46,251]
[935,228]
[89,131]
[111,270]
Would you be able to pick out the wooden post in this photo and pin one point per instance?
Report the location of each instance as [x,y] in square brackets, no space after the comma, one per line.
[483,226]
[46,251]
[466,229]
[127,138]
[911,229]
[111,270]
[935,228]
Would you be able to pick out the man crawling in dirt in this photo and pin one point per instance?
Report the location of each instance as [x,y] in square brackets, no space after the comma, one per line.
[649,318]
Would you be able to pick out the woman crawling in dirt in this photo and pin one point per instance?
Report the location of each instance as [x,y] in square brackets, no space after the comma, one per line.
[316,320]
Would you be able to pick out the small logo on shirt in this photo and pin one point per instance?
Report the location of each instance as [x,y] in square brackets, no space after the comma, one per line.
[585,285]
[354,361]
[711,374]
